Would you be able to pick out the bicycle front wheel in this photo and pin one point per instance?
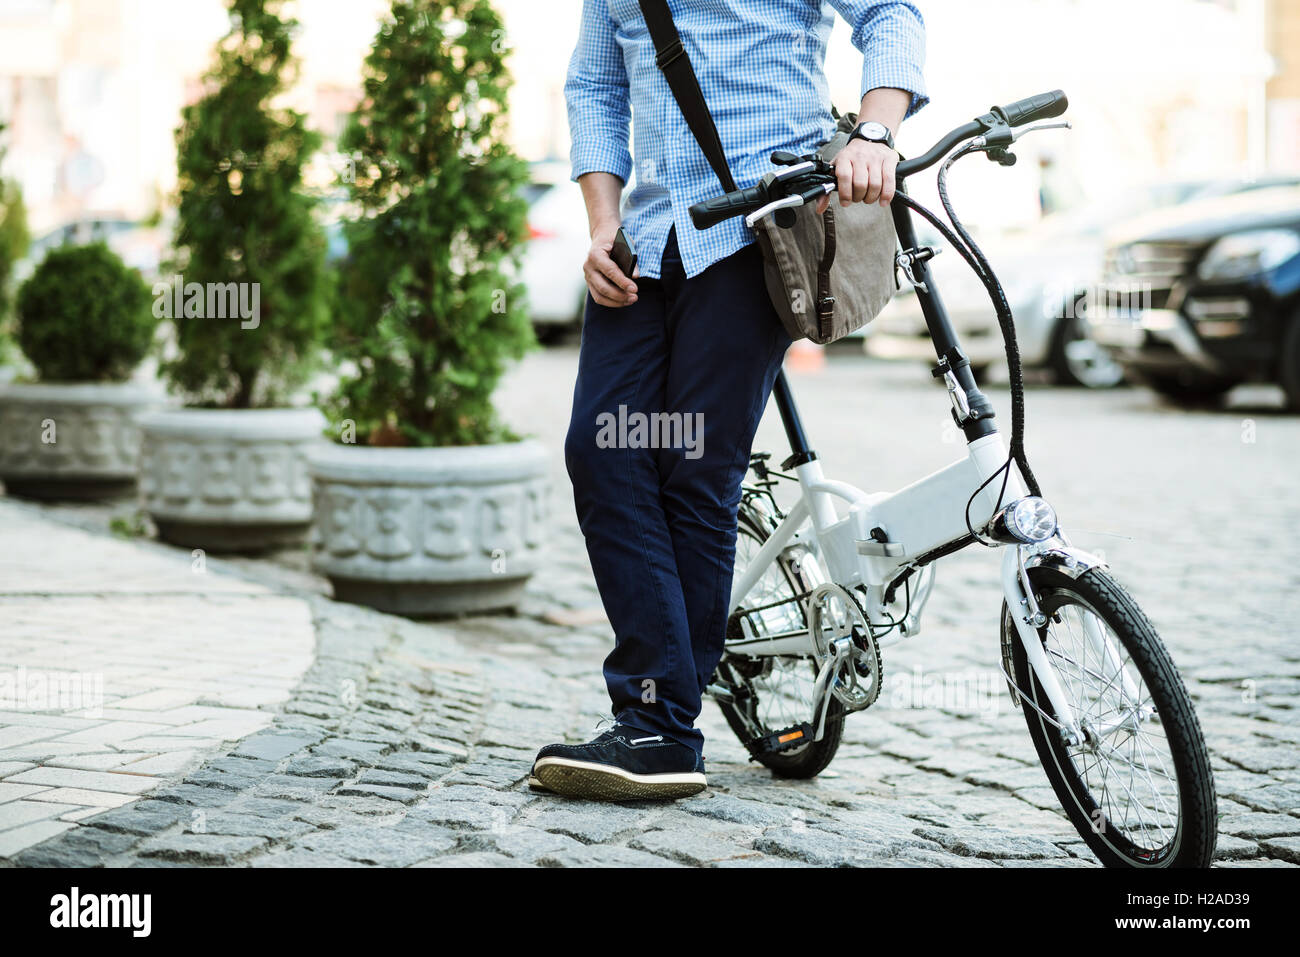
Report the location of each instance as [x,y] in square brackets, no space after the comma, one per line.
[1138,786]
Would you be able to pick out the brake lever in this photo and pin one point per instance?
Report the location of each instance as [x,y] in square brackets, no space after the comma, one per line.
[795,170]
[995,143]
[1020,131]
[785,202]
[806,168]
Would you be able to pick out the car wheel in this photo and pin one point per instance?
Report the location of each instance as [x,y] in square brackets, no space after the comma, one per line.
[1077,360]
[1190,389]
[548,334]
[1289,377]
[553,333]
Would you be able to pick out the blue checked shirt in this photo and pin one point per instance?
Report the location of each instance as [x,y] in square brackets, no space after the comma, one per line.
[760,66]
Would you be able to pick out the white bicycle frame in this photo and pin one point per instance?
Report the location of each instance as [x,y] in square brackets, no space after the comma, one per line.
[917,520]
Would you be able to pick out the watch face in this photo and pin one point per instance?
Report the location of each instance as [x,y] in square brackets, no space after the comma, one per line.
[874,131]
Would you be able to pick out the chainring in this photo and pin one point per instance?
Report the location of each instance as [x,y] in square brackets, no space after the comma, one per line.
[834,616]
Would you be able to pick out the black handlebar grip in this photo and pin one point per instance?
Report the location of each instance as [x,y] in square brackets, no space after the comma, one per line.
[1040,107]
[741,202]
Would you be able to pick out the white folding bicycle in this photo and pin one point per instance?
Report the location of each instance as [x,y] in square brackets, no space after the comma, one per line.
[820,590]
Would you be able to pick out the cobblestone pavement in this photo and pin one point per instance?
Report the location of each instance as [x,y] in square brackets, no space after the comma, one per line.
[408,744]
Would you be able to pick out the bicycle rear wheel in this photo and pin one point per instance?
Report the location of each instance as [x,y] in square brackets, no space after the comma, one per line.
[1138,787]
[774,694]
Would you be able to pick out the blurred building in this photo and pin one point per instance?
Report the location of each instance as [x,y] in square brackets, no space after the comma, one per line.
[1283,91]
[92,91]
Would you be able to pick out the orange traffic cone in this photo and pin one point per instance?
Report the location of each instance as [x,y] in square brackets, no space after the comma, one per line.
[805,357]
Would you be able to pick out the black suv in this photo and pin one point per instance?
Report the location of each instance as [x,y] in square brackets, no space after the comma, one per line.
[1206,296]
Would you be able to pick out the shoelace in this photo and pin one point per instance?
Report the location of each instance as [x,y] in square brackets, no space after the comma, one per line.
[607,722]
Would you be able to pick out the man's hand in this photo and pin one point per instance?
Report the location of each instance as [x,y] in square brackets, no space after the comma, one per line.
[608,285]
[865,173]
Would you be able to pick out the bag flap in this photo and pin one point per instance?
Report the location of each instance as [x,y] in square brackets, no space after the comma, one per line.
[862,277]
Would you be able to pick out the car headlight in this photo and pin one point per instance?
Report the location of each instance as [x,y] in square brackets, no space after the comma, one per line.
[1248,253]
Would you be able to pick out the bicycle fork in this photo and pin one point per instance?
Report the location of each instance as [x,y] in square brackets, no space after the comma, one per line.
[1028,617]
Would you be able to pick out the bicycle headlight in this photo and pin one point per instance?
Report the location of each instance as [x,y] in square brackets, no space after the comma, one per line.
[1248,253]
[1028,520]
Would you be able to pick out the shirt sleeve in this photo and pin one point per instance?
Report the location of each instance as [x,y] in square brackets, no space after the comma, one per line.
[597,96]
[891,36]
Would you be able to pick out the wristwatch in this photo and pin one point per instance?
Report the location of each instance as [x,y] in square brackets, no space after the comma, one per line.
[873,132]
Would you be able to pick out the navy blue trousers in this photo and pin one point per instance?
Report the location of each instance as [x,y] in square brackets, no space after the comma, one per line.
[657,496]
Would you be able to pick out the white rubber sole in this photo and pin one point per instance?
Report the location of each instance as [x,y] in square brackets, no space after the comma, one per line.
[602,782]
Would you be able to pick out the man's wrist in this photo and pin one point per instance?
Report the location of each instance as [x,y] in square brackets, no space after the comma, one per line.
[873,131]
[605,224]
[886,106]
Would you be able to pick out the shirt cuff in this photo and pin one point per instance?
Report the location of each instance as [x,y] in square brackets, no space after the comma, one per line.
[898,76]
[598,155]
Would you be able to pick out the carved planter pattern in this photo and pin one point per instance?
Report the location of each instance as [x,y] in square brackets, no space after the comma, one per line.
[79,440]
[229,480]
[430,531]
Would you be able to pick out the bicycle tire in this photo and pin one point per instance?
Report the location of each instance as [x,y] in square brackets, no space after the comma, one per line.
[811,759]
[1193,839]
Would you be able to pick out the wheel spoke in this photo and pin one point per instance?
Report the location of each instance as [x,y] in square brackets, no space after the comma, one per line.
[780,687]
[1124,761]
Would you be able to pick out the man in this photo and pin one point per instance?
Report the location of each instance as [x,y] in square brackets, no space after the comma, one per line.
[678,359]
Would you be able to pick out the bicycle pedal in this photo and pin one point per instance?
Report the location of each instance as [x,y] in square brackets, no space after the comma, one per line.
[779,741]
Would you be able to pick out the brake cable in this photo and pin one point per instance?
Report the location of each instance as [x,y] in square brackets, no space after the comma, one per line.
[974,257]
[1015,370]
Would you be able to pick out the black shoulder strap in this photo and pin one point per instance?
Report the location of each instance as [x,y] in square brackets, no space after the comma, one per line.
[673,62]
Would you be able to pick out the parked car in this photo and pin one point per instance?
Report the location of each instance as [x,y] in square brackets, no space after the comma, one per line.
[1202,298]
[1046,272]
[552,265]
[141,245]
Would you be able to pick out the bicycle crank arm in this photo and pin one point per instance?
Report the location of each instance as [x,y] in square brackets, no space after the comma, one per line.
[823,689]
[822,695]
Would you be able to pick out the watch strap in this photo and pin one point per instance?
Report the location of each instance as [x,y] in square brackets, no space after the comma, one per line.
[857,134]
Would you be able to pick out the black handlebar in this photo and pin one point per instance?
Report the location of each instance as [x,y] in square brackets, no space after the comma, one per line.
[745,201]
[1040,107]
[939,150]
[741,202]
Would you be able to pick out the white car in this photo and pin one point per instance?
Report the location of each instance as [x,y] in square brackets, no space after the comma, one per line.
[552,264]
[1046,271]
[1041,273]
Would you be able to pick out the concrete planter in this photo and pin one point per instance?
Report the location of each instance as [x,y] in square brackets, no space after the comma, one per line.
[229,480]
[72,441]
[428,532]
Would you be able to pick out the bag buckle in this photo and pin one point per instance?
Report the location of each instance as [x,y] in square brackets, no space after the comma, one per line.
[669,53]
[825,317]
